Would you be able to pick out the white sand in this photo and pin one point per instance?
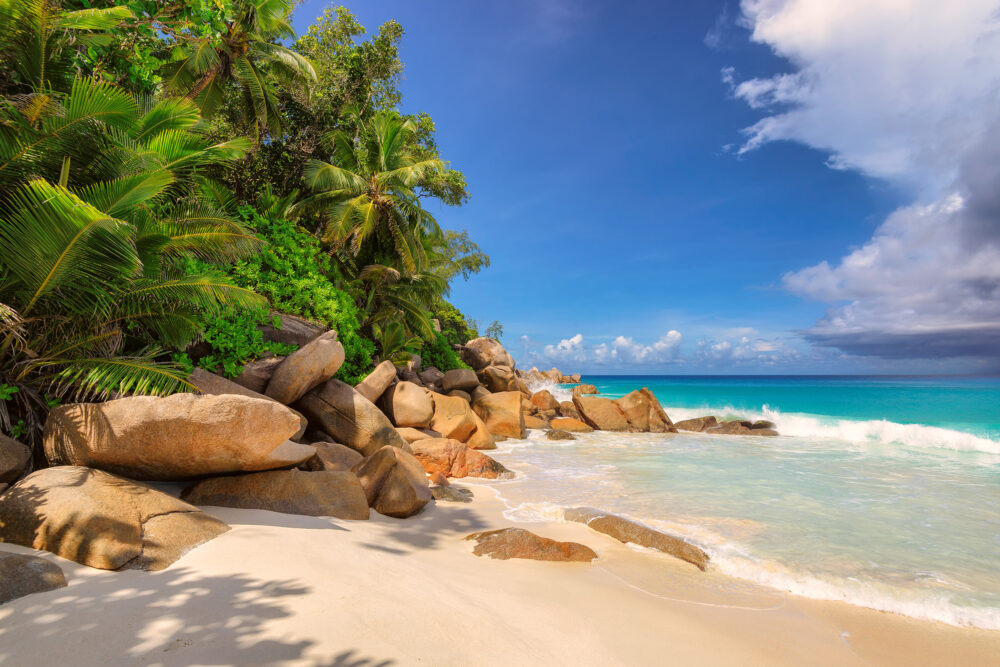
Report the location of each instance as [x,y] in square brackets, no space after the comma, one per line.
[280,589]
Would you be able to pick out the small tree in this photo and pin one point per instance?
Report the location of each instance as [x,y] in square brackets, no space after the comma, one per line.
[495,331]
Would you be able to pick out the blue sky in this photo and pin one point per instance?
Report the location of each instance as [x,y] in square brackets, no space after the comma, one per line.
[718,187]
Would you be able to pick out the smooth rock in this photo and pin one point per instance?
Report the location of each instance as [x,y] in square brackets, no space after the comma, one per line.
[257,373]
[636,409]
[431,375]
[509,543]
[462,379]
[411,435]
[659,422]
[453,417]
[216,385]
[177,437]
[733,427]
[406,404]
[496,378]
[696,424]
[309,366]
[14,458]
[97,519]
[490,351]
[293,330]
[22,574]
[567,409]
[349,418]
[559,434]
[377,381]
[481,437]
[452,458]
[332,456]
[534,422]
[451,494]
[478,393]
[569,424]
[465,396]
[627,531]
[394,482]
[327,493]
[544,400]
[502,414]
[583,389]
[601,413]
[763,423]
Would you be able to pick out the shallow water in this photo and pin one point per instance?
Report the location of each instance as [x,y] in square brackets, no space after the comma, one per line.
[901,517]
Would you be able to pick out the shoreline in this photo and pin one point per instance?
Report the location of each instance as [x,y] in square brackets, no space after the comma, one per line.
[292,589]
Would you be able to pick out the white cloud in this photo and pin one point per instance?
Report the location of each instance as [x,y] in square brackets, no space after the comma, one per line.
[909,91]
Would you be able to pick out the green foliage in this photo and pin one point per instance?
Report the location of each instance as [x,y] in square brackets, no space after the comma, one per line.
[294,274]
[236,338]
[454,326]
[437,352]
[394,344]
[454,253]
[494,331]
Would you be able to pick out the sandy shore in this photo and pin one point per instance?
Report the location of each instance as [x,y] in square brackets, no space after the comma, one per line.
[280,589]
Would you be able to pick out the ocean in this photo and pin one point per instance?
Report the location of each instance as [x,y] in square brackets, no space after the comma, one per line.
[882,492]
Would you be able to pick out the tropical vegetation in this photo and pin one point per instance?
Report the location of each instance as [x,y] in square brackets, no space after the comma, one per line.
[175,174]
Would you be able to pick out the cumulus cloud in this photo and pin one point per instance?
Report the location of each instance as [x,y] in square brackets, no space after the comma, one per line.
[907,91]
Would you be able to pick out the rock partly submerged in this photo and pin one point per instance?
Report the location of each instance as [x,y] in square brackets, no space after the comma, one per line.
[628,531]
[509,543]
[100,520]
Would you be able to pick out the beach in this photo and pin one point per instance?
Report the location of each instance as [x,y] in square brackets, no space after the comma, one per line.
[296,590]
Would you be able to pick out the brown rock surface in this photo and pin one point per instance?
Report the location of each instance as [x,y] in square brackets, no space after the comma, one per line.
[311,365]
[411,435]
[502,414]
[659,422]
[453,417]
[519,543]
[490,351]
[570,424]
[349,418]
[22,574]
[377,381]
[496,378]
[452,494]
[601,413]
[431,375]
[462,379]
[452,458]
[394,482]
[559,434]
[543,400]
[696,424]
[216,385]
[257,373]
[293,330]
[458,393]
[582,389]
[332,456]
[328,493]
[14,459]
[567,409]
[481,437]
[534,422]
[177,437]
[406,404]
[97,519]
[627,531]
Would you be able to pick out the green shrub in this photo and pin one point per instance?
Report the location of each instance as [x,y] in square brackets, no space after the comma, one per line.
[296,277]
[437,352]
[454,326]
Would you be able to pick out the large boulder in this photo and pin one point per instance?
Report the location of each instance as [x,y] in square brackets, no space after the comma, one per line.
[481,437]
[502,414]
[570,424]
[14,459]
[349,418]
[544,400]
[431,376]
[553,375]
[631,532]
[567,409]
[659,422]
[97,519]
[406,404]
[291,330]
[22,574]
[178,437]
[461,379]
[377,381]
[452,458]
[332,456]
[312,364]
[490,351]
[453,417]
[519,543]
[534,422]
[411,435]
[216,385]
[601,413]
[696,424]
[496,378]
[327,493]
[644,412]
[585,389]
[394,483]
[257,373]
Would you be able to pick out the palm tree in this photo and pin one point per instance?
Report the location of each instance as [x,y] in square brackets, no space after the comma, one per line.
[371,194]
[246,54]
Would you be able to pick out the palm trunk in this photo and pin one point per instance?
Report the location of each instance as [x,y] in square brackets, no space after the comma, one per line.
[203,82]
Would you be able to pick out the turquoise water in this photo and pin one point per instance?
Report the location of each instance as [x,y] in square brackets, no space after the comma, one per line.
[881,492]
